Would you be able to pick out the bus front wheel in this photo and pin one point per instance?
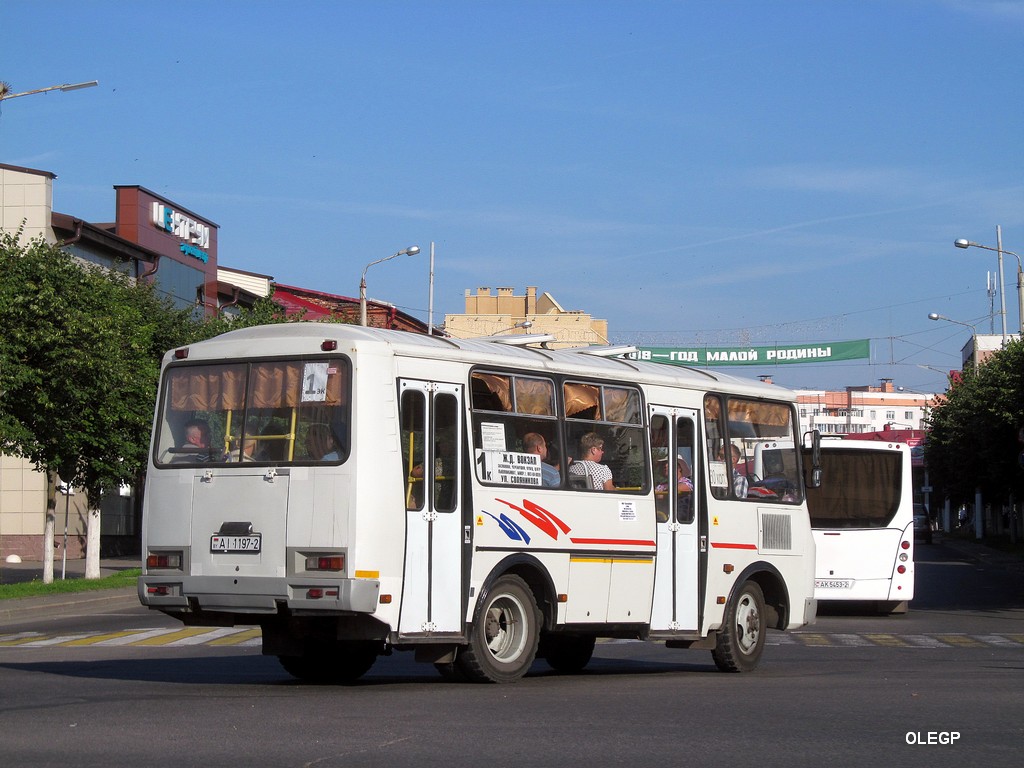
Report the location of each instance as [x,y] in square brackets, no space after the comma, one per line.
[740,642]
[504,636]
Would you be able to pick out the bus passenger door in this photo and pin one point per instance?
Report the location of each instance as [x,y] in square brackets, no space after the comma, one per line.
[431,416]
[674,455]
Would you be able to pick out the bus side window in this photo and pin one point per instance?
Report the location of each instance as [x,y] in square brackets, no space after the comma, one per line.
[662,469]
[446,441]
[413,445]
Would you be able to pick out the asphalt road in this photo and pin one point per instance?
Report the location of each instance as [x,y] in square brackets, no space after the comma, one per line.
[852,690]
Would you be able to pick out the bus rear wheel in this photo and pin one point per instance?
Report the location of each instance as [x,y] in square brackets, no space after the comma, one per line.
[567,654]
[504,636]
[332,663]
[740,642]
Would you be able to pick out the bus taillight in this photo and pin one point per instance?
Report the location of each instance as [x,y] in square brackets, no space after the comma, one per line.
[164,560]
[325,563]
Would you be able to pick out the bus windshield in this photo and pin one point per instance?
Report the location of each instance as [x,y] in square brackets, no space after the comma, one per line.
[278,412]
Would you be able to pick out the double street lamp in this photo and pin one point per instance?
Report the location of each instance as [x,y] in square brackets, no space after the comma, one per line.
[412,250]
[1002,288]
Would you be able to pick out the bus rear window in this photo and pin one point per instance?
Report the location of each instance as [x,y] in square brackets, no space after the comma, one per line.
[862,489]
[269,412]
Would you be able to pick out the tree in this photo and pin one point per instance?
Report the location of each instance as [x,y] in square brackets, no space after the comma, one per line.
[79,360]
[972,442]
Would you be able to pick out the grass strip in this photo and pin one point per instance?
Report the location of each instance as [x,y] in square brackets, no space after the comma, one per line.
[125,578]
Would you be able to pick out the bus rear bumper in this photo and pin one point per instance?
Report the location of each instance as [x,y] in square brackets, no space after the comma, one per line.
[179,593]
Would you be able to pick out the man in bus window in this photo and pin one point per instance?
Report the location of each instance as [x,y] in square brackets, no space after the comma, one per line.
[535,443]
[589,464]
[197,441]
[739,480]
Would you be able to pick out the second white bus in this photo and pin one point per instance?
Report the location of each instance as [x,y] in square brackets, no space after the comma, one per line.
[863,521]
[357,491]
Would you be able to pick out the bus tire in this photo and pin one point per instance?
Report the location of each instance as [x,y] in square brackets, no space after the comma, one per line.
[740,642]
[332,663]
[450,671]
[504,636]
[568,654]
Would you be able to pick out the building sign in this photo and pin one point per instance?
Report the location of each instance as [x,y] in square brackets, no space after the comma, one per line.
[826,352]
[195,235]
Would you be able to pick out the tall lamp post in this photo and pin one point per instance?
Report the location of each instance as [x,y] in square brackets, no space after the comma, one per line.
[1020,276]
[974,330]
[412,250]
[66,87]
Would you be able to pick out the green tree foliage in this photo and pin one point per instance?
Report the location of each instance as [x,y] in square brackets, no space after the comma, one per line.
[972,441]
[79,359]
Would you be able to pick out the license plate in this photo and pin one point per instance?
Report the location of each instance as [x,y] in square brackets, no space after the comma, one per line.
[833,583]
[220,543]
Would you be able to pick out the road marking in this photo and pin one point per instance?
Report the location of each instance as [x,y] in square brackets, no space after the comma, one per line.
[250,637]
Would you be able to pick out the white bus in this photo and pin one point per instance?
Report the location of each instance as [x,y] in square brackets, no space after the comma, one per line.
[355,491]
[862,515]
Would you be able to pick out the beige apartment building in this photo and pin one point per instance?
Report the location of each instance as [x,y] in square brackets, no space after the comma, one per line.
[856,410]
[500,313]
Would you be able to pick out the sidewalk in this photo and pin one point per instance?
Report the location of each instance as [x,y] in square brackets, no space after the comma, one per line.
[979,551]
[30,609]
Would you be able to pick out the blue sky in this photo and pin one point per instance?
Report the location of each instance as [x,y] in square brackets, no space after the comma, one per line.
[729,173]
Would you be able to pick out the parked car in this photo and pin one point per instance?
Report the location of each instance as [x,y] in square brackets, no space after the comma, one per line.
[922,524]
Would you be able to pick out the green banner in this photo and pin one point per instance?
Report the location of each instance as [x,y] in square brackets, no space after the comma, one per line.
[779,354]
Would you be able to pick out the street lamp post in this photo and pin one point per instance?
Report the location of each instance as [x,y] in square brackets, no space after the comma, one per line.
[1020,276]
[412,250]
[66,87]
[974,329]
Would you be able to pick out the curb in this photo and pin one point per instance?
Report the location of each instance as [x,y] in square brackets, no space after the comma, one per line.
[27,609]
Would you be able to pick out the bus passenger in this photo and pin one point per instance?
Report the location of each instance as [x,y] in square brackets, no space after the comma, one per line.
[245,453]
[739,480]
[589,464]
[535,443]
[320,443]
[197,441]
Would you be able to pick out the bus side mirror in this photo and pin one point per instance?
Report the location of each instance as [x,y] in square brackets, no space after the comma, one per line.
[814,480]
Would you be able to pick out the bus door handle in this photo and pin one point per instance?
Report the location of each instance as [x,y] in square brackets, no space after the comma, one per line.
[703,543]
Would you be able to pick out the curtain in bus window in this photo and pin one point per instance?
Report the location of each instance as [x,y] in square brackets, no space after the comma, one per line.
[582,401]
[491,392]
[279,384]
[535,397]
[766,419]
[622,405]
[207,388]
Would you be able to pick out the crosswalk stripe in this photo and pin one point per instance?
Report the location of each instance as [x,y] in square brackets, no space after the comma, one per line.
[961,641]
[244,637]
[170,638]
[109,637]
